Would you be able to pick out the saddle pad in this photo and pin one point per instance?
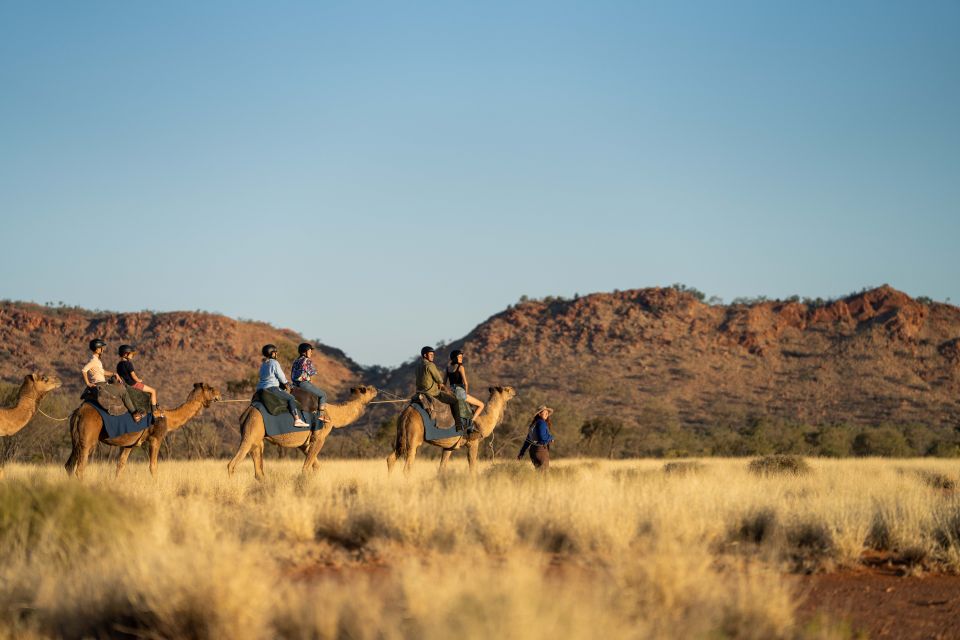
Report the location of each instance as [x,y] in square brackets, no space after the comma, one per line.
[116,426]
[283,423]
[141,399]
[274,404]
[431,432]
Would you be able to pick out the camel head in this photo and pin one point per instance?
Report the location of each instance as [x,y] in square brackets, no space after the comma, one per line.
[363,393]
[506,392]
[205,393]
[41,384]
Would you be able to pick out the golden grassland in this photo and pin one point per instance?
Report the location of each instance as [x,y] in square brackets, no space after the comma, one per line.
[596,549]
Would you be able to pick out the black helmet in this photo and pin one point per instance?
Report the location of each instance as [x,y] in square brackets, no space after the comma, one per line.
[125,349]
[96,343]
[454,354]
[425,351]
[304,347]
[268,350]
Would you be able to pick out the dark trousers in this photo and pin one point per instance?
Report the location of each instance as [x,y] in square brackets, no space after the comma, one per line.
[306,386]
[118,391]
[540,456]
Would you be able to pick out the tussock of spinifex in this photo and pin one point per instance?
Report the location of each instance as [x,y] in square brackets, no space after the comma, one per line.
[627,549]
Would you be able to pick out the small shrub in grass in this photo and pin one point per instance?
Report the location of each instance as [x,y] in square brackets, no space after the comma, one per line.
[779,465]
[946,527]
[809,546]
[509,471]
[682,468]
[936,480]
[756,527]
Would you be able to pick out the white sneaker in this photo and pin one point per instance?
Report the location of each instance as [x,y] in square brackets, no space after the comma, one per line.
[297,422]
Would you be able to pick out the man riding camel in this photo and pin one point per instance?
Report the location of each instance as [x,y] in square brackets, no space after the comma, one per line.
[430,384]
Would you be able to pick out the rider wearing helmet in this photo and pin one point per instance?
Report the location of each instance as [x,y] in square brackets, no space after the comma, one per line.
[273,381]
[94,378]
[302,370]
[430,382]
[130,377]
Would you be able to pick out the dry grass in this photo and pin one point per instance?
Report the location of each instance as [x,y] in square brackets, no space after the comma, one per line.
[597,549]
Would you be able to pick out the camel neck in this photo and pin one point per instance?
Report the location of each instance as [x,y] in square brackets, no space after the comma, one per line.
[490,418]
[178,417]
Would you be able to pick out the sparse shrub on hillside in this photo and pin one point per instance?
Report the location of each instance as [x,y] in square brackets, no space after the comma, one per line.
[881,441]
[693,291]
[779,465]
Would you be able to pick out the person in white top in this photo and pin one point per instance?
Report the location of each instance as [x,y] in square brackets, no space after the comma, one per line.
[94,378]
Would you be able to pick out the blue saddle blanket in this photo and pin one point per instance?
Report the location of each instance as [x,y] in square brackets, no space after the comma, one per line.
[283,423]
[117,426]
[432,432]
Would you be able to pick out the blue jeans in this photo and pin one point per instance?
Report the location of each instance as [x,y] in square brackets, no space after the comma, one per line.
[291,401]
[306,386]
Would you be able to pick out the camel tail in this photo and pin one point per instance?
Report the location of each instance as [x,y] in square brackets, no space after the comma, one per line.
[71,464]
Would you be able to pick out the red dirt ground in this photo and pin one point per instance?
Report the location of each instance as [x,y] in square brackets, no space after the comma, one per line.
[884,605]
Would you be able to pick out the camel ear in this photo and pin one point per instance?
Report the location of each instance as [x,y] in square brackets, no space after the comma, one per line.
[500,389]
[354,390]
[33,377]
[197,385]
[491,390]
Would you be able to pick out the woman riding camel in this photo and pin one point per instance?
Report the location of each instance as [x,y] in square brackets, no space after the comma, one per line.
[130,377]
[274,382]
[302,370]
[456,377]
[539,439]
[94,378]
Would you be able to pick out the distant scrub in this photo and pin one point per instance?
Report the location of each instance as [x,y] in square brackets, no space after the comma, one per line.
[779,465]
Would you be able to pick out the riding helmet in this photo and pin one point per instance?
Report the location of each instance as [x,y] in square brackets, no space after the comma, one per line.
[125,349]
[96,343]
[425,351]
[304,347]
[455,354]
[269,350]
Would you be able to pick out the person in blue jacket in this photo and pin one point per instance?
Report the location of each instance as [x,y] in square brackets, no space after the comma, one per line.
[539,439]
[273,381]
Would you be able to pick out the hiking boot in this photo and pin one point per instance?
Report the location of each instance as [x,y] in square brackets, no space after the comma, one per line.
[157,411]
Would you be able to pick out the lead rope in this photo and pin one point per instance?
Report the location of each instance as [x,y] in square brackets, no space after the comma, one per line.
[41,411]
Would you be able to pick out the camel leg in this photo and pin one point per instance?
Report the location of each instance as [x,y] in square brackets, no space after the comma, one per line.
[444,458]
[473,450]
[85,450]
[256,454]
[311,463]
[154,454]
[122,460]
[391,460]
[408,463]
[245,445]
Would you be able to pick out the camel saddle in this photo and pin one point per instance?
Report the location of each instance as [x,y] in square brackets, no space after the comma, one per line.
[274,404]
[308,402]
[113,405]
[432,407]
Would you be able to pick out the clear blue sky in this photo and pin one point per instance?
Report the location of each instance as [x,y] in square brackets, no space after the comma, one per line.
[384,175]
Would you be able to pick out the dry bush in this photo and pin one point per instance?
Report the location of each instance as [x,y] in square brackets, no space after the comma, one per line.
[682,468]
[779,465]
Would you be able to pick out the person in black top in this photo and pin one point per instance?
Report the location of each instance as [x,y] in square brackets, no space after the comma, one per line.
[456,377]
[130,377]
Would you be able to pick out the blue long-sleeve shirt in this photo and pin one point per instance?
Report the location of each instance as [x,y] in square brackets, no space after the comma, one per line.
[539,434]
[271,375]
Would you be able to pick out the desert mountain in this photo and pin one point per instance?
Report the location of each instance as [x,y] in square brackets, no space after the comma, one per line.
[877,357]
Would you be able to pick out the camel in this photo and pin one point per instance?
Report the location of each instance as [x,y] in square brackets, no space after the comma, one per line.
[34,387]
[410,433]
[253,433]
[86,429]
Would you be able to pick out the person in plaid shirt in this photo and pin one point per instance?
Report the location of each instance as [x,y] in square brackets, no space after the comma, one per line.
[303,369]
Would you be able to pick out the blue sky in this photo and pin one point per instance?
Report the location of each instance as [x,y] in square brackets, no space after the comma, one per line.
[384,175]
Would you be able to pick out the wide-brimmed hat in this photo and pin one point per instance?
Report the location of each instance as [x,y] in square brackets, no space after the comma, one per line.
[543,407]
